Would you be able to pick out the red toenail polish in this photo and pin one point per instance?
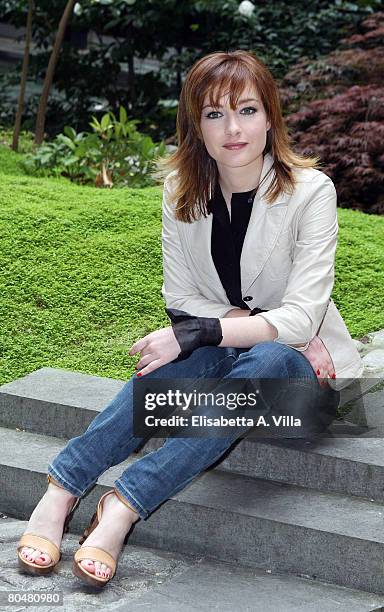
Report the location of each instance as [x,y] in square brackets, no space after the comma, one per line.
[318,371]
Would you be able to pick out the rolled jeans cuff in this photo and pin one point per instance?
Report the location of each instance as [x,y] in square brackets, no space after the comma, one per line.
[131,500]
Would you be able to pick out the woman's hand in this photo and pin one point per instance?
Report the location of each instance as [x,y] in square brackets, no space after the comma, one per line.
[157,348]
[320,360]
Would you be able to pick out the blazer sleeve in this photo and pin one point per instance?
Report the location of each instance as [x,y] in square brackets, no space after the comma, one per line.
[311,280]
[179,289]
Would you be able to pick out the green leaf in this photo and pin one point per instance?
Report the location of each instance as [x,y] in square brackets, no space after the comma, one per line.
[123,115]
[67,141]
[70,160]
[70,132]
[105,121]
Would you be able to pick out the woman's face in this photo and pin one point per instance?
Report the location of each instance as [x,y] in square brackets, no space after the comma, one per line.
[247,125]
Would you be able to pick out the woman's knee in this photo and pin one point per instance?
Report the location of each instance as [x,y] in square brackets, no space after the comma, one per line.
[278,360]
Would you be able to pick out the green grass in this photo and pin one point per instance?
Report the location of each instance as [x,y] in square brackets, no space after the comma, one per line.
[81,273]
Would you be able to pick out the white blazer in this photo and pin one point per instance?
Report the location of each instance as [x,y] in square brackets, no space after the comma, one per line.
[287,266]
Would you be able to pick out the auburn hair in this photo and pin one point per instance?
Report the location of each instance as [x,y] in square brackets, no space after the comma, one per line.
[195,170]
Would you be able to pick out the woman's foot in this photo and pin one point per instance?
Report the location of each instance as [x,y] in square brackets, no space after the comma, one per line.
[116,521]
[48,520]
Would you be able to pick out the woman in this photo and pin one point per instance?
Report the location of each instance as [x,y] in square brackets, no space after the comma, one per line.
[249,239]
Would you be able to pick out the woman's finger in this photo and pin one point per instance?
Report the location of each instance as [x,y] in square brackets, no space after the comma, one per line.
[150,367]
[145,360]
[138,346]
[322,374]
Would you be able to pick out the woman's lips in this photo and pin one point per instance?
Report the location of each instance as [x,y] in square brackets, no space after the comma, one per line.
[235,147]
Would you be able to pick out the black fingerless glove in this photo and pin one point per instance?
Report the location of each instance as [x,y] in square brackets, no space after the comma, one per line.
[192,332]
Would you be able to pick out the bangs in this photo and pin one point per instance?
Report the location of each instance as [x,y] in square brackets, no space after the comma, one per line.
[228,78]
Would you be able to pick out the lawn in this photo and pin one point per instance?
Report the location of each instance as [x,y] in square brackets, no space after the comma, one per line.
[81,273]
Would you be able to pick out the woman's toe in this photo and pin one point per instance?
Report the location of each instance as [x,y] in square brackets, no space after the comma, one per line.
[28,553]
[104,569]
[88,564]
[97,568]
[42,559]
[36,553]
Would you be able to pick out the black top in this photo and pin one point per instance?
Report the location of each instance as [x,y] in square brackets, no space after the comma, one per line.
[227,239]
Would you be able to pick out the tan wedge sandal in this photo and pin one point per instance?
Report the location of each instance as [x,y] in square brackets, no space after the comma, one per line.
[91,552]
[44,544]
[96,553]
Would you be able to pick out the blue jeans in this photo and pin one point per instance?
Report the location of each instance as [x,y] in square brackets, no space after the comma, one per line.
[157,476]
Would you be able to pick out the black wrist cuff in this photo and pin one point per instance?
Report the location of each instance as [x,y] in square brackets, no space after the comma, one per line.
[256,311]
[192,332]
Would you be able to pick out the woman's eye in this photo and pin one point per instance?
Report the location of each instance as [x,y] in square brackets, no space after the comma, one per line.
[249,108]
[212,113]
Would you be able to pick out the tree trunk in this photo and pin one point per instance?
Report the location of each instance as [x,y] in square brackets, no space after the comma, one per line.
[131,81]
[179,82]
[40,119]
[23,80]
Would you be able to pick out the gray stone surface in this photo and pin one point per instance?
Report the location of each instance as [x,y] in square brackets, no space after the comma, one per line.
[152,579]
[55,401]
[266,524]
[62,404]
[248,512]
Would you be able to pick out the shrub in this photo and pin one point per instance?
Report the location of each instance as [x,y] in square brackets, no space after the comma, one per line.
[347,131]
[336,108]
[114,153]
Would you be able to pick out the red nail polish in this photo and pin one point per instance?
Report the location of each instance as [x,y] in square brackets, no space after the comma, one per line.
[318,371]
[139,373]
[333,375]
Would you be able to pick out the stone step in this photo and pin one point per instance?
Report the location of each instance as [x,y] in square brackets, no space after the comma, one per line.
[63,403]
[230,517]
[152,579]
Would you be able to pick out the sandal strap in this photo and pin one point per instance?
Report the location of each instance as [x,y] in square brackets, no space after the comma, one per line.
[41,543]
[96,554]
[101,502]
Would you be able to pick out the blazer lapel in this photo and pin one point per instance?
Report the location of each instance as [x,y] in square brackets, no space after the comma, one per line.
[263,230]
[265,225]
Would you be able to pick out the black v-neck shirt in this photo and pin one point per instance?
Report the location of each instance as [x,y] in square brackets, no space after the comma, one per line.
[227,239]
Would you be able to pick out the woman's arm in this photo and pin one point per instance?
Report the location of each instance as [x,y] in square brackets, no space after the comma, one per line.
[246,331]
[179,289]
[311,279]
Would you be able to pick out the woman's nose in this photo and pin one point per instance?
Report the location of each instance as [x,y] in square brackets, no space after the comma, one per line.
[231,125]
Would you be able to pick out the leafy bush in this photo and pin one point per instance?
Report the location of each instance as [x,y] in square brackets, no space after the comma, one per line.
[347,131]
[115,153]
[358,61]
[339,104]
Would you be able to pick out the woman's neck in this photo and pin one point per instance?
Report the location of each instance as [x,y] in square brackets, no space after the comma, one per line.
[238,180]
